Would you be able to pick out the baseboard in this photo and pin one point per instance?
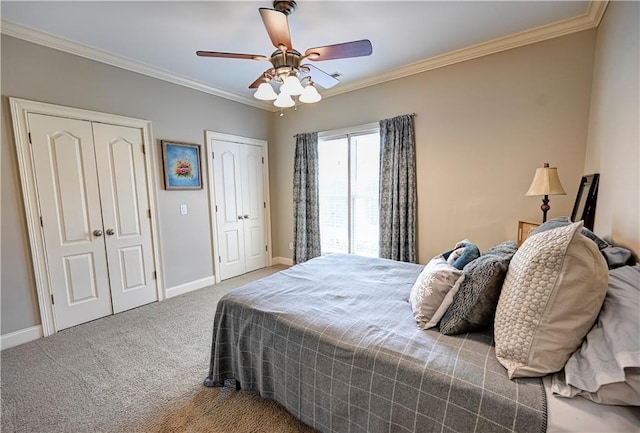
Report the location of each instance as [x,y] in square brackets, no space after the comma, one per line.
[189,287]
[22,336]
[282,261]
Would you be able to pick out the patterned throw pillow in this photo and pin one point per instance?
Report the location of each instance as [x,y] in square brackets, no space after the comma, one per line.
[552,294]
[433,291]
[474,305]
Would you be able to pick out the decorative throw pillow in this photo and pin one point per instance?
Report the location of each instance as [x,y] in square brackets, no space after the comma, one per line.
[433,291]
[463,253]
[551,224]
[606,367]
[474,304]
[551,296]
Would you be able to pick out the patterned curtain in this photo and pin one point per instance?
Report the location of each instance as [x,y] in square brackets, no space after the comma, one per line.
[306,208]
[398,189]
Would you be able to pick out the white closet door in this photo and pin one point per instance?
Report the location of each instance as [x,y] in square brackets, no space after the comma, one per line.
[229,213]
[69,201]
[251,169]
[125,206]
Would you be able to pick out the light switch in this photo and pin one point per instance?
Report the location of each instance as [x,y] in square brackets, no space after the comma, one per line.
[183,209]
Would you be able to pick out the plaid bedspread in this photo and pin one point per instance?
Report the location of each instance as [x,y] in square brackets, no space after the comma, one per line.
[334,341]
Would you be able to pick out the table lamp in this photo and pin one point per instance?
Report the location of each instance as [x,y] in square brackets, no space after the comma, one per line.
[546,182]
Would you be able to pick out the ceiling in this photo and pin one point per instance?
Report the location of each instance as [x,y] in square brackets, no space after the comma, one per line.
[160,38]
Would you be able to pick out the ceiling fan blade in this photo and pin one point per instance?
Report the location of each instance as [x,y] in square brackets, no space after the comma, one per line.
[269,73]
[231,55]
[340,51]
[277,26]
[319,76]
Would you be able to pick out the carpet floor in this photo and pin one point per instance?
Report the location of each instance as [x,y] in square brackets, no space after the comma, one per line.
[137,371]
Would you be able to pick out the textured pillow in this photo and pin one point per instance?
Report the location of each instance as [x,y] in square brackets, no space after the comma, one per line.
[474,304]
[433,291]
[551,296]
[606,367]
[505,249]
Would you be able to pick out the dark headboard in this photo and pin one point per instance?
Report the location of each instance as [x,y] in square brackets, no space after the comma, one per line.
[585,205]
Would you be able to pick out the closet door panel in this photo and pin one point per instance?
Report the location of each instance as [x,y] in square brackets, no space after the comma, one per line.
[69,201]
[125,207]
[253,205]
[229,213]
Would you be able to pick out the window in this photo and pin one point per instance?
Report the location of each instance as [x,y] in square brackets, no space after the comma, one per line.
[349,165]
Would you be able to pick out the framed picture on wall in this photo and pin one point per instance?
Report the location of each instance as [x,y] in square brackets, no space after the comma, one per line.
[181,163]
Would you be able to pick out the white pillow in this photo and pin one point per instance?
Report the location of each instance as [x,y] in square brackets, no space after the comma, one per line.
[551,296]
[433,291]
[606,367]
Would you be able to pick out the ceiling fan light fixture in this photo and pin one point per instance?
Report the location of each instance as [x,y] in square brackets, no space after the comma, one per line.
[265,92]
[284,100]
[291,86]
[310,94]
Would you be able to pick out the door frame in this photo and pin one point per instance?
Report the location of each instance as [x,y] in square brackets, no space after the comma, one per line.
[209,137]
[20,108]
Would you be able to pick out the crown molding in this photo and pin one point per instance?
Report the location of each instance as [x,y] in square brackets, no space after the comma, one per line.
[61,44]
[586,21]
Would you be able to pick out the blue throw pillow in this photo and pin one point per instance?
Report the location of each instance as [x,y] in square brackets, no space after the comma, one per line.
[463,253]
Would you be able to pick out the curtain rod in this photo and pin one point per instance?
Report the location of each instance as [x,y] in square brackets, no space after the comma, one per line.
[410,114]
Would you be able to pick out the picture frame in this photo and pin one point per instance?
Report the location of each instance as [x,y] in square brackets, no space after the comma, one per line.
[182,165]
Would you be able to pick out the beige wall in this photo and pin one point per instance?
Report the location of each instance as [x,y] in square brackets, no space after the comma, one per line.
[613,147]
[34,72]
[482,128]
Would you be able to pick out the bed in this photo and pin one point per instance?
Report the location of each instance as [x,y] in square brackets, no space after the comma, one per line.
[334,341]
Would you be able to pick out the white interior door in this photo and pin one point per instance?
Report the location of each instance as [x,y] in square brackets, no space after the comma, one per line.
[253,206]
[71,218]
[229,215]
[125,207]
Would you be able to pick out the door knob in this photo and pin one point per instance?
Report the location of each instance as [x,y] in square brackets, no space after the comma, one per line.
[246,217]
[239,217]
[97,232]
[111,232]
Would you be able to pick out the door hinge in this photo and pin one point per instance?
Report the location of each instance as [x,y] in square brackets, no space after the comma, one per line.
[219,259]
[216,208]
[263,159]
[266,247]
[149,213]
[30,138]
[154,274]
[213,155]
[264,204]
[52,301]
[143,149]
[41,223]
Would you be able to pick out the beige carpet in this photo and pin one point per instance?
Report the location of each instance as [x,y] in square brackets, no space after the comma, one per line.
[137,371]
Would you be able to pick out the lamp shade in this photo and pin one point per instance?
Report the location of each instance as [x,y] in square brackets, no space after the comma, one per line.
[265,92]
[291,86]
[310,94]
[284,101]
[546,182]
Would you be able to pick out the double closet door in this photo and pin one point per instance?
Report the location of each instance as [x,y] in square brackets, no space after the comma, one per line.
[94,208]
[238,176]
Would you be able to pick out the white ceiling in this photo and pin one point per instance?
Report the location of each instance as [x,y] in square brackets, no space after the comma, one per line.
[163,36]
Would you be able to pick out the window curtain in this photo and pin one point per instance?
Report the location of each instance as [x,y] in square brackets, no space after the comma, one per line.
[306,209]
[398,189]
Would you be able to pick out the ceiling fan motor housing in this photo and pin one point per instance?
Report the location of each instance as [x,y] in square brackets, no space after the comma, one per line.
[285,62]
[285,6]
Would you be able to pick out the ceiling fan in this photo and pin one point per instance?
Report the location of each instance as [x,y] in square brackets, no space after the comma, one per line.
[287,67]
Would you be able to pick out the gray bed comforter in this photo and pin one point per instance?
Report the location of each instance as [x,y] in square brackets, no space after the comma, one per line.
[334,341]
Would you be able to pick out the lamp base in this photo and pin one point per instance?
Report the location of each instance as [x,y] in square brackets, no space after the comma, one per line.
[545,208]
